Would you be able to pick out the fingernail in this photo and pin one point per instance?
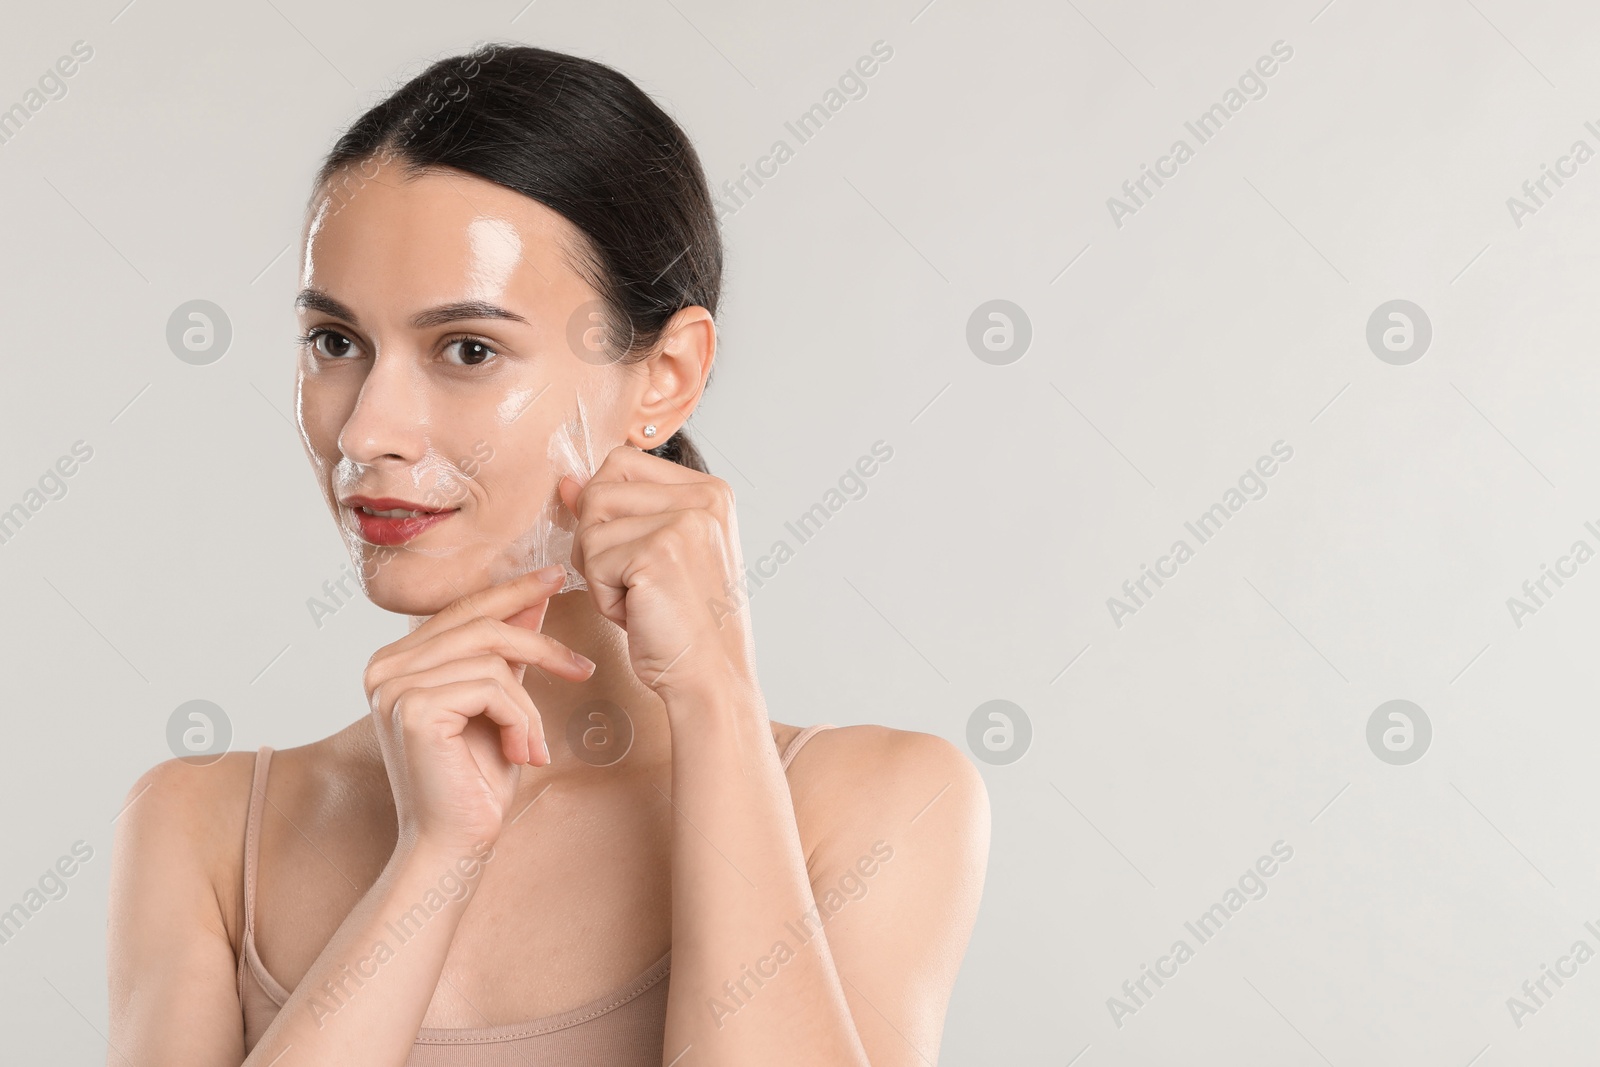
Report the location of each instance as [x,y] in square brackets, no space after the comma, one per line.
[550,573]
[583,661]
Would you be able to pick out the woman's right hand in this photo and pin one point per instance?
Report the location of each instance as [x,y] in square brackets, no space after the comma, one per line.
[453,720]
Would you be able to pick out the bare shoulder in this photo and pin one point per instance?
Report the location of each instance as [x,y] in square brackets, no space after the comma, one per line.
[895,825]
[187,817]
[184,820]
[175,915]
[856,785]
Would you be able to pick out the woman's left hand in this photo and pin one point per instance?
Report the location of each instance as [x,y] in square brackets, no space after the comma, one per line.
[658,545]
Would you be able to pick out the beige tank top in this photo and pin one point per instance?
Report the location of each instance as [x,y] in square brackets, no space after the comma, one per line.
[621,1029]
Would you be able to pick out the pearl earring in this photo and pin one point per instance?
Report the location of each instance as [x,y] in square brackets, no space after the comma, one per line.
[650,430]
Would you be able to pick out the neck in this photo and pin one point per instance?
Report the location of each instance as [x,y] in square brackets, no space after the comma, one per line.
[587,723]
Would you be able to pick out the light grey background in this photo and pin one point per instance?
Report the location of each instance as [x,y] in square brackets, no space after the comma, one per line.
[1228,313]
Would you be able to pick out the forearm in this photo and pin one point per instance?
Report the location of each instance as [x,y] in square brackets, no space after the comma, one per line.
[364,998]
[753,980]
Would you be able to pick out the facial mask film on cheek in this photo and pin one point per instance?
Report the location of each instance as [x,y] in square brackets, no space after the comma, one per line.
[571,452]
[438,482]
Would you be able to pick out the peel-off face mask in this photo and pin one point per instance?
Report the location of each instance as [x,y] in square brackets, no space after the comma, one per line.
[571,453]
[441,483]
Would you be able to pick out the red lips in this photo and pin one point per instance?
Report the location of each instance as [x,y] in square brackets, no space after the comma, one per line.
[384,530]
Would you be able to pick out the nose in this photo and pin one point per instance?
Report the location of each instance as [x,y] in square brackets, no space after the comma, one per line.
[390,420]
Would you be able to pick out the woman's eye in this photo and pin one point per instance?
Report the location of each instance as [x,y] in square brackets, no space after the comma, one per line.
[471,351]
[329,343]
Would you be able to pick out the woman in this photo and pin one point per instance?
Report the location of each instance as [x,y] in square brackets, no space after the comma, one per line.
[509,273]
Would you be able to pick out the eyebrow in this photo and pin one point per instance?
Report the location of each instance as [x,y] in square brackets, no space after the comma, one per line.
[317,300]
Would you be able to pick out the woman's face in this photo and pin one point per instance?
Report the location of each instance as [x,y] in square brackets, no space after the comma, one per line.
[444,367]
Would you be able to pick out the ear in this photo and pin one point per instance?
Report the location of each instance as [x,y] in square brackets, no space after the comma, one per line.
[674,376]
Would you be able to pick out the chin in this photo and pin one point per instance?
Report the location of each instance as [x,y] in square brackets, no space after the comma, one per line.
[421,586]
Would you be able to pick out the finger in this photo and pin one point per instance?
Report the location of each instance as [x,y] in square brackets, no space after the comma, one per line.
[593,538]
[446,708]
[529,618]
[478,667]
[625,463]
[608,595]
[609,502]
[612,571]
[568,489]
[495,602]
[603,501]
[514,644]
[589,538]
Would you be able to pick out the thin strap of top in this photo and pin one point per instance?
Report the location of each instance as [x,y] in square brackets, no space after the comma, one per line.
[252,837]
[793,747]
[258,802]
